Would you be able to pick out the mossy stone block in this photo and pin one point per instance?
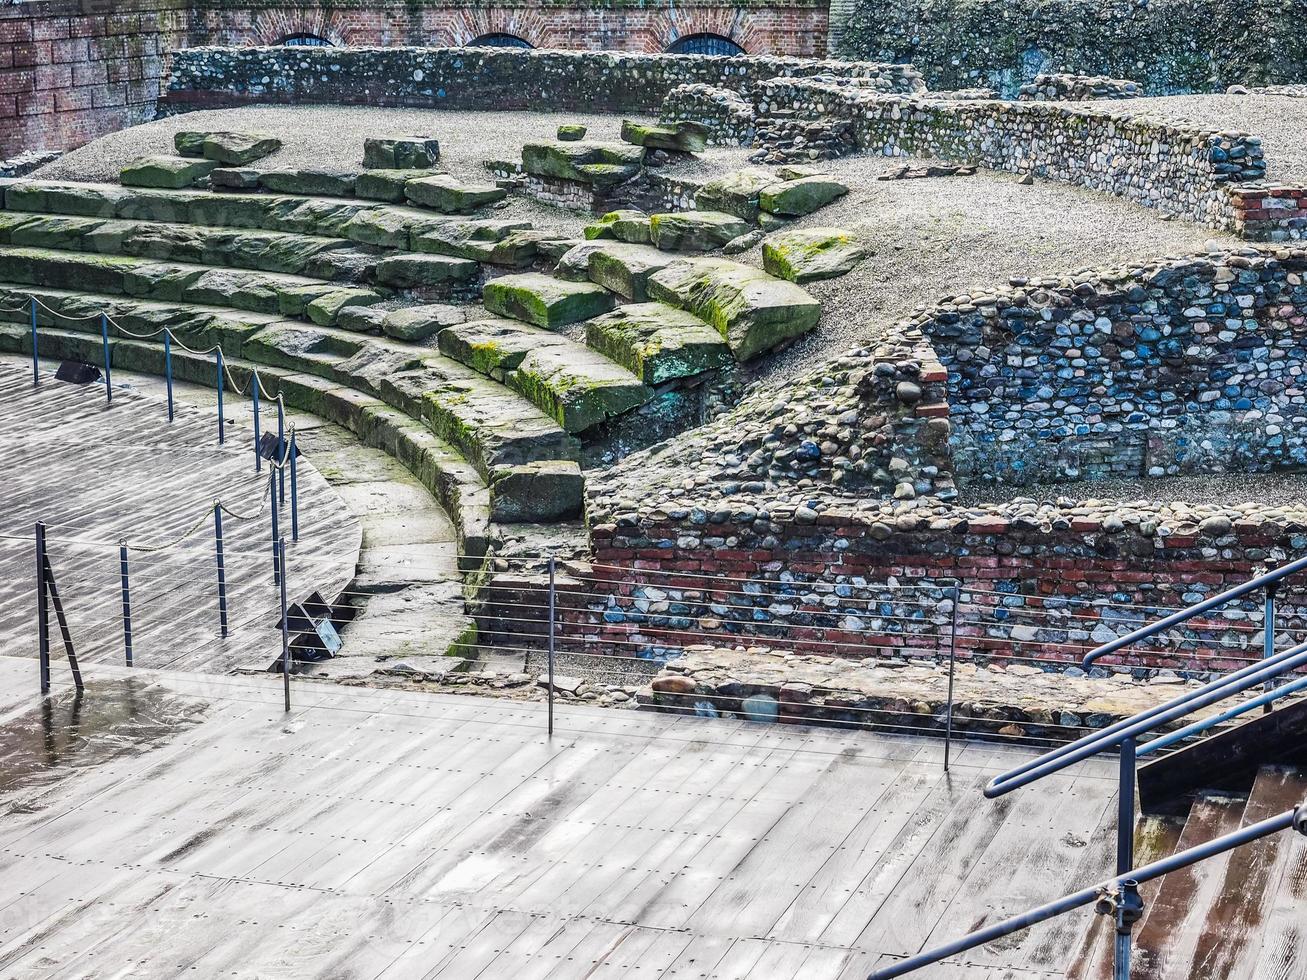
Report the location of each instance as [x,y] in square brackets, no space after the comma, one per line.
[803,195]
[449,195]
[417,323]
[809,254]
[418,270]
[168,172]
[695,231]
[325,309]
[737,192]
[401,152]
[308,183]
[545,301]
[571,132]
[658,343]
[238,149]
[625,225]
[684,137]
[386,185]
[625,269]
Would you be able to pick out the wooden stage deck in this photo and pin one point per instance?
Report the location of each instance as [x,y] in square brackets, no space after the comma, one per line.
[97,474]
[175,824]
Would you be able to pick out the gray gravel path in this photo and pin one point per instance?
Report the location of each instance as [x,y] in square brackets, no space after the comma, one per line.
[1280,120]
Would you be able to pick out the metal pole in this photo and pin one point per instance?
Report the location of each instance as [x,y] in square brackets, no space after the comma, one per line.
[127,601]
[1268,637]
[254,390]
[285,628]
[1125,809]
[552,564]
[281,449]
[222,568]
[167,366]
[42,610]
[276,529]
[294,493]
[36,357]
[221,385]
[952,665]
[108,368]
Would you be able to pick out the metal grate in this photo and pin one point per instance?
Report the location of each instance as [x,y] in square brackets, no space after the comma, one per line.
[713,44]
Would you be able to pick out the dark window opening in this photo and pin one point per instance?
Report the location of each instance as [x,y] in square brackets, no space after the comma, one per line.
[499,41]
[705,44]
[306,41]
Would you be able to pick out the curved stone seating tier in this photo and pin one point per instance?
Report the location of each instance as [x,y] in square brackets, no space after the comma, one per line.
[494,446]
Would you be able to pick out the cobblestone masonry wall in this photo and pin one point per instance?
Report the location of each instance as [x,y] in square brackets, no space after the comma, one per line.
[1169,45]
[1041,583]
[483,78]
[1078,88]
[728,117]
[1184,366]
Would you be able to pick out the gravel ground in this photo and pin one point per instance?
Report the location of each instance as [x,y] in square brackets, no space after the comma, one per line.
[1281,122]
[937,237]
[331,137]
[1219,489]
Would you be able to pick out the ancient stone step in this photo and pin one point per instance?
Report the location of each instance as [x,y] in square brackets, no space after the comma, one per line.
[658,343]
[685,137]
[387,185]
[800,196]
[268,251]
[308,182]
[617,266]
[227,149]
[545,301]
[695,231]
[752,310]
[626,225]
[449,195]
[401,152]
[808,254]
[579,388]
[440,274]
[466,238]
[165,171]
[242,289]
[599,164]
[737,192]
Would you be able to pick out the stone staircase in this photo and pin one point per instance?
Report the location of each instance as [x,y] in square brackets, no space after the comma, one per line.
[1239,916]
[344,303]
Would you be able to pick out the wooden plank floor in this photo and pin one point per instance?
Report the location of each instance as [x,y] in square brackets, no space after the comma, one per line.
[99,474]
[180,824]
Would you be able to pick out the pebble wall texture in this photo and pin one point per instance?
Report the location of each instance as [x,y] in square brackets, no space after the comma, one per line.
[727,115]
[1060,87]
[1168,45]
[485,78]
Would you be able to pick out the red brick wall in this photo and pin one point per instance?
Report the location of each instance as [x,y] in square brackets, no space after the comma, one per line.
[1269,212]
[71,71]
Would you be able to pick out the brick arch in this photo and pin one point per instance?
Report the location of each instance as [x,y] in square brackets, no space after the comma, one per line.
[732,23]
[469,24]
[272,26]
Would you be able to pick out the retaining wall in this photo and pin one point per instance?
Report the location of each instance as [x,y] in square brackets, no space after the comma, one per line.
[483,78]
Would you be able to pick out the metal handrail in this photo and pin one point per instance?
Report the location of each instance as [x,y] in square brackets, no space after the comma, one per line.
[1265,581]
[1130,728]
[1117,895]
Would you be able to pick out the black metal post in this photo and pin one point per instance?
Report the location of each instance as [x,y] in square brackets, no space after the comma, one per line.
[294,492]
[167,367]
[36,355]
[64,631]
[127,601]
[285,627]
[221,384]
[42,607]
[108,367]
[276,527]
[222,568]
[552,564]
[254,392]
[1125,810]
[281,450]
[1268,636]
[952,668]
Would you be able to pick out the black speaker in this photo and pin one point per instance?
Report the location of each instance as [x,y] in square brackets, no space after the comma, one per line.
[268,447]
[77,372]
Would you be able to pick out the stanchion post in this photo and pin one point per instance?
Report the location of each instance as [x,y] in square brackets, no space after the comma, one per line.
[222,423]
[108,367]
[294,493]
[952,667]
[42,611]
[281,449]
[167,367]
[222,567]
[254,391]
[36,354]
[276,528]
[552,565]
[127,601]
[285,626]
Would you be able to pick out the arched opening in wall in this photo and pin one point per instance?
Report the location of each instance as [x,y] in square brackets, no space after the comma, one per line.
[499,41]
[306,41]
[705,44]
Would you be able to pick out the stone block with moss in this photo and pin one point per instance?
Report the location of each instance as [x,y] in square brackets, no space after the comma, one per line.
[545,301]
[417,270]
[577,387]
[494,347]
[808,254]
[601,164]
[695,231]
[685,137]
[625,269]
[449,195]
[401,152]
[471,239]
[167,172]
[417,323]
[329,183]
[326,308]
[753,311]
[571,132]
[386,185]
[625,225]
[737,192]
[803,195]
[657,342]
[544,490]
